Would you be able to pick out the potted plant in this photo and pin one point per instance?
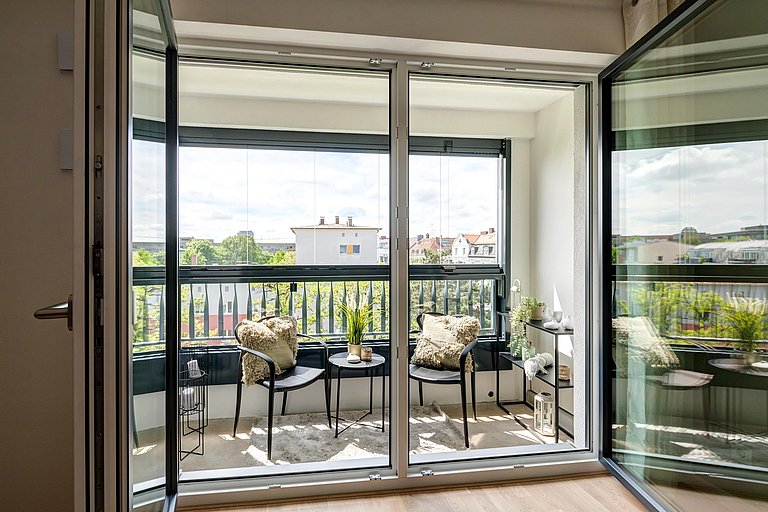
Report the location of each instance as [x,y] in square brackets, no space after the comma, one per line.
[746,319]
[357,316]
[528,309]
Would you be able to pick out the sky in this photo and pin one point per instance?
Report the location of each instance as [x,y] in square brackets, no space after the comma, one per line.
[714,188]
[225,190]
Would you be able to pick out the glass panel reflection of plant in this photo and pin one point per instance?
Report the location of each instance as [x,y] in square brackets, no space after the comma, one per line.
[746,319]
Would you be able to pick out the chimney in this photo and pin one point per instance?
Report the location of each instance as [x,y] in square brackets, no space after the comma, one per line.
[349,221]
[491,230]
[337,219]
[483,232]
[322,220]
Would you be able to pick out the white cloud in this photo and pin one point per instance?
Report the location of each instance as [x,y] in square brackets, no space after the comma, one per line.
[225,190]
[714,188]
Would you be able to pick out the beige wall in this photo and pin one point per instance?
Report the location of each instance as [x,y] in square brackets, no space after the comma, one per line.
[36,208]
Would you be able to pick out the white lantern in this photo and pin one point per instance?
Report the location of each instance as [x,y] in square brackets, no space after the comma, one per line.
[544,414]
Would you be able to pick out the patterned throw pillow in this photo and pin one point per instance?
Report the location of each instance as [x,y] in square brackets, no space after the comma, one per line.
[275,337]
[442,339]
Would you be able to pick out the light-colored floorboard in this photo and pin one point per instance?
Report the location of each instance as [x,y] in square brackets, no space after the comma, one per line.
[601,493]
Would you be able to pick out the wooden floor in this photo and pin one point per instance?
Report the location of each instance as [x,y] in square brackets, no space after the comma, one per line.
[600,493]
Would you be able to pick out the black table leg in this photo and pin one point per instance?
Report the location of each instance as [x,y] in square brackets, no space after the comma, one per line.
[370,392]
[338,388]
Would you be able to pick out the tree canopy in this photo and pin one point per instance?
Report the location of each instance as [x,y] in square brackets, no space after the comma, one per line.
[199,252]
[241,250]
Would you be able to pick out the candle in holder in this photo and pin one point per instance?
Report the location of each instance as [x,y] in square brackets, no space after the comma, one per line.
[563,372]
[188,402]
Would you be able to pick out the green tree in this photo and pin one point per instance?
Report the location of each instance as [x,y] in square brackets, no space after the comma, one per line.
[704,306]
[241,250]
[434,257]
[202,252]
[144,258]
[282,257]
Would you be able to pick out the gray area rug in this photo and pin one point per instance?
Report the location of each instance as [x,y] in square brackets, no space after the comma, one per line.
[298,438]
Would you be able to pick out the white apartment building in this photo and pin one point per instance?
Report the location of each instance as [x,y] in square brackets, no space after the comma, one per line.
[336,244]
[461,247]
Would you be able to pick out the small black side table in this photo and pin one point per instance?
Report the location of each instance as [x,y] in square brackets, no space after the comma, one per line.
[340,362]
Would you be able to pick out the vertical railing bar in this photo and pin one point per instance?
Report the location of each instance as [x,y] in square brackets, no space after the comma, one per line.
[383,306]
[421,293]
[191,312]
[206,314]
[277,299]
[161,332]
[318,311]
[457,297]
[235,312]
[469,298]
[344,301]
[357,293]
[220,322]
[331,318]
[145,310]
[304,308]
[482,304]
[290,300]
[434,296]
[370,303]
[249,307]
[445,297]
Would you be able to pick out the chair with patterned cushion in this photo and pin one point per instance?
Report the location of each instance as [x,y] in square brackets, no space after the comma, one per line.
[442,368]
[273,377]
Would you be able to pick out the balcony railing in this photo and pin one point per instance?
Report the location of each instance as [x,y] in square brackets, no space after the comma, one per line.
[214,300]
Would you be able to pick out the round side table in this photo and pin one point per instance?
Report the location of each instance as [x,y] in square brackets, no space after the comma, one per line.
[340,362]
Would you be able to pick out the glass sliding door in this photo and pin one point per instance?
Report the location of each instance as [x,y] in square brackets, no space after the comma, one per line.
[494,178]
[686,153]
[148,231]
[284,212]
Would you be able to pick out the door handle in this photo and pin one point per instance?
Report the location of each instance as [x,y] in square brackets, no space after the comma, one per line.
[63,310]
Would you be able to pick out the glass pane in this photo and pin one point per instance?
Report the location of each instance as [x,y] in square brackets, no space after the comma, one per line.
[458,200]
[283,174]
[689,215]
[147,184]
[454,209]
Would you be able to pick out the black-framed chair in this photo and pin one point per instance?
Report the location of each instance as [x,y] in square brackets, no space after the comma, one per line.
[292,379]
[422,375]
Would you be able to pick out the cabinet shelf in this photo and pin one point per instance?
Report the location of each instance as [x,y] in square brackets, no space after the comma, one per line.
[548,378]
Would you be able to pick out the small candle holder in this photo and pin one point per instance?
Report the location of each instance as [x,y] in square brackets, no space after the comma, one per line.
[366,354]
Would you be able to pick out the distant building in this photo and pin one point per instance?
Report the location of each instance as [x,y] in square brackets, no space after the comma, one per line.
[484,248]
[746,252]
[652,253]
[336,244]
[436,245]
[759,232]
[461,247]
[382,250]
[274,246]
